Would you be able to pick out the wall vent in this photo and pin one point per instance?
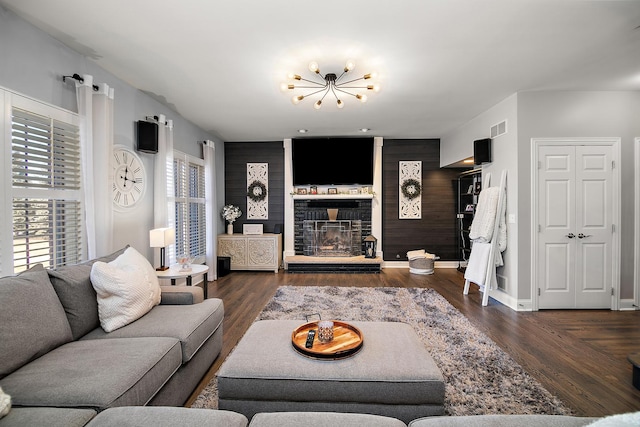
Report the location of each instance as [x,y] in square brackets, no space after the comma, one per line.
[498,129]
[502,282]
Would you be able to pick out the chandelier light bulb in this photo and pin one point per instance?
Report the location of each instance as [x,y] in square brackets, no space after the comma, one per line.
[293,76]
[362,98]
[284,87]
[350,65]
[313,67]
[340,103]
[318,104]
[375,88]
[296,99]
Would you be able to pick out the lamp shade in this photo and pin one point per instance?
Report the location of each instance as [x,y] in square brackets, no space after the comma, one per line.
[162,237]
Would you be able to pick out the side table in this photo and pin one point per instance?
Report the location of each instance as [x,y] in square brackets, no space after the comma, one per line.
[174,273]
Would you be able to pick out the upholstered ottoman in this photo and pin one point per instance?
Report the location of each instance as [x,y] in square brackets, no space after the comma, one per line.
[392,375]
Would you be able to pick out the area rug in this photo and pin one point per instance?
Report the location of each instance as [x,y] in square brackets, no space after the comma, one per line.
[480,377]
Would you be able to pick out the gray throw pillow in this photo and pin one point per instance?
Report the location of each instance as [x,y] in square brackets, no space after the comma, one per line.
[32,319]
[73,286]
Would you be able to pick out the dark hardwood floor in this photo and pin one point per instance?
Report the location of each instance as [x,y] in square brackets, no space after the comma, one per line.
[578,355]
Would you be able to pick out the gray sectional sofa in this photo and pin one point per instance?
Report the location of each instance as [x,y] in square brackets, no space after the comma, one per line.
[62,369]
[169,417]
[54,354]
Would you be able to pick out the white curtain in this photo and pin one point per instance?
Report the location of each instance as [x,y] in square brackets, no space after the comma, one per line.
[209,155]
[163,184]
[95,109]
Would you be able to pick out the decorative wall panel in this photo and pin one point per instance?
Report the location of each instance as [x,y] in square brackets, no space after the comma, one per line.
[257,191]
[410,194]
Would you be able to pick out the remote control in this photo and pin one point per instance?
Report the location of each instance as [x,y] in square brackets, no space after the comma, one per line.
[310,336]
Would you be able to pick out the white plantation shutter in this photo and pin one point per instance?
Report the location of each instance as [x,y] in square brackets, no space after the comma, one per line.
[190,223]
[46,191]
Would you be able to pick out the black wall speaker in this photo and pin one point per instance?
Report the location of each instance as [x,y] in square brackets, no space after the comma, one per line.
[482,151]
[147,140]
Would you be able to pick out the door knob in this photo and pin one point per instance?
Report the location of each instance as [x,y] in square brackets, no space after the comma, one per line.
[571,235]
[582,236]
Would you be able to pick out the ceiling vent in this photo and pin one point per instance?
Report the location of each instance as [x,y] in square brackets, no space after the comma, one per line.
[498,129]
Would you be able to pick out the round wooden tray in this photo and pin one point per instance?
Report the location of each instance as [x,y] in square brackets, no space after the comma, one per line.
[347,341]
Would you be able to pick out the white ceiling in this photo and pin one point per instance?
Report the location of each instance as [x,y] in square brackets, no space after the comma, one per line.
[440,62]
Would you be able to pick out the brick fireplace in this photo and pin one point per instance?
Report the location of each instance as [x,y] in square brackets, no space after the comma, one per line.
[353,207]
[316,235]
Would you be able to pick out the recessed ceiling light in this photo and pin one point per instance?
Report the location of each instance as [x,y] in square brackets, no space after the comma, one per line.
[364,129]
[303,130]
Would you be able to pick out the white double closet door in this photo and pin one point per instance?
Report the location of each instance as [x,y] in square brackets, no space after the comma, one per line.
[575,232]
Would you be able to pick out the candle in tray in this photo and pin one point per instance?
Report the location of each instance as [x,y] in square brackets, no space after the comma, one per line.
[325,331]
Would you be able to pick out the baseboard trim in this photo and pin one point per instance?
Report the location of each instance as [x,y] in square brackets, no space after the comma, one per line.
[405,264]
[628,305]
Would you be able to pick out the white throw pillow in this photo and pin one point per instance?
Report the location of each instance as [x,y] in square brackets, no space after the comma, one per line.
[630,419]
[127,289]
[5,403]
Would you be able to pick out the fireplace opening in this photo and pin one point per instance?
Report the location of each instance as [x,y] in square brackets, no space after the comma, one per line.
[331,228]
[332,238]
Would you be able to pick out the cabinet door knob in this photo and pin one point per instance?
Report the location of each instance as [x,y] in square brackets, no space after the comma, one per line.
[571,235]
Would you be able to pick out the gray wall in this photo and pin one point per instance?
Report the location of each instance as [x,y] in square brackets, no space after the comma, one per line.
[581,114]
[551,114]
[32,63]
[504,157]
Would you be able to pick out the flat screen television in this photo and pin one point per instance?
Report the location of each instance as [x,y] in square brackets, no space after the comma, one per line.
[332,161]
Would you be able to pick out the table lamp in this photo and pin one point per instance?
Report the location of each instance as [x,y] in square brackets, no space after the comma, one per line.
[161,238]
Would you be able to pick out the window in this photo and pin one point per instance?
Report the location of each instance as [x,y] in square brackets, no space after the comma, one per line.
[189,206]
[44,183]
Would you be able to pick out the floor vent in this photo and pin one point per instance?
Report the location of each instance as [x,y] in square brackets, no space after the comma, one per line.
[499,129]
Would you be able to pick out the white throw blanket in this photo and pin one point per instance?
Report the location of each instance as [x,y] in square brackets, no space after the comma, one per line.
[484,221]
[478,263]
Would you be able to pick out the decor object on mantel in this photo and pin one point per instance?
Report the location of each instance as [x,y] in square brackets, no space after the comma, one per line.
[480,377]
[230,213]
[257,192]
[410,198]
[330,82]
[161,238]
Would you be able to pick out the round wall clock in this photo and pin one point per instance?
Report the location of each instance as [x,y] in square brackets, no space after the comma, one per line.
[129,178]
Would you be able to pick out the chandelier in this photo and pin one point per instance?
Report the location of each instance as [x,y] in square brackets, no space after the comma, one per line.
[330,82]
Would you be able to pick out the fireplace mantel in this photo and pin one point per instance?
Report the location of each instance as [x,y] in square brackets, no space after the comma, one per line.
[331,196]
[376,200]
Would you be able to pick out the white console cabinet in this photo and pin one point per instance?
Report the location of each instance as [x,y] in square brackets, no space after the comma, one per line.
[252,252]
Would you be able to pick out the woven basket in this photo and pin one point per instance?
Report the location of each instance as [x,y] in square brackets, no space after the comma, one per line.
[421,265]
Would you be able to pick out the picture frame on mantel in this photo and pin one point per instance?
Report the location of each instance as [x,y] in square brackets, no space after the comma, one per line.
[332,190]
[301,191]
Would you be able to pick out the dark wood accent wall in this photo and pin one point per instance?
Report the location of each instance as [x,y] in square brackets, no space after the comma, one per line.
[436,231]
[236,157]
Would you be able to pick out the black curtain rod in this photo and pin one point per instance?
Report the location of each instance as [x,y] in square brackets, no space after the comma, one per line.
[156,119]
[80,79]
